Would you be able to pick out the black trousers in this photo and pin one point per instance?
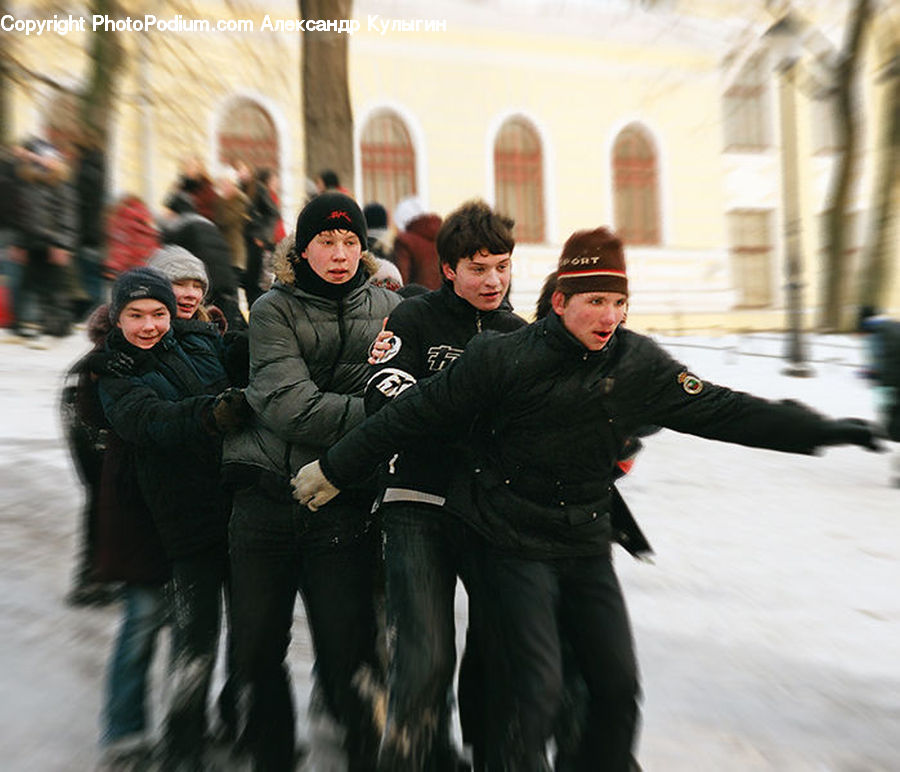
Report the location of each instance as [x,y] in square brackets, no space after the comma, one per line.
[532,606]
[425,549]
[199,583]
[273,557]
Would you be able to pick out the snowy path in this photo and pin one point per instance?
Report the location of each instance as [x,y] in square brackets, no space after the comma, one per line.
[768,629]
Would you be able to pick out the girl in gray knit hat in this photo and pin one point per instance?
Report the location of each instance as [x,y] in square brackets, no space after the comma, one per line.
[189,279]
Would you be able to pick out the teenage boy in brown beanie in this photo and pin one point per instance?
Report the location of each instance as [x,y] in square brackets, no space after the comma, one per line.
[309,338]
[549,407]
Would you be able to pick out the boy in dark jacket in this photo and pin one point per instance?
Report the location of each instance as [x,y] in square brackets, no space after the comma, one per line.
[573,385]
[169,413]
[425,547]
[309,336]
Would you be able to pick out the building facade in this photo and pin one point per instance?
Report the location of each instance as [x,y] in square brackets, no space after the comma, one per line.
[664,123]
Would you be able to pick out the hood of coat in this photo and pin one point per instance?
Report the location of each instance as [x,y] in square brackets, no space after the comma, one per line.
[425,225]
[283,261]
[98,324]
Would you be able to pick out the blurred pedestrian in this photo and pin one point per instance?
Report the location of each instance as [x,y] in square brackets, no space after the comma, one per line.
[572,385]
[12,254]
[309,337]
[882,338]
[90,180]
[203,239]
[232,217]
[327,181]
[132,235]
[414,245]
[194,180]
[49,228]
[380,243]
[260,232]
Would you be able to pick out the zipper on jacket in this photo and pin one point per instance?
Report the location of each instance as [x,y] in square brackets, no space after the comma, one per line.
[478,321]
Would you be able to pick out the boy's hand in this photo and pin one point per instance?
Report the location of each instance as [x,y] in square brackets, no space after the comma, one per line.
[855,431]
[381,345]
[231,411]
[312,487]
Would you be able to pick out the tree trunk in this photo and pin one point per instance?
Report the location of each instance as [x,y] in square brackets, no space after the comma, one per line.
[98,98]
[881,248]
[5,83]
[834,294]
[327,115]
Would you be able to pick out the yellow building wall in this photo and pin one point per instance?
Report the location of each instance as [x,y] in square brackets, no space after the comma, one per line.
[459,86]
[579,85]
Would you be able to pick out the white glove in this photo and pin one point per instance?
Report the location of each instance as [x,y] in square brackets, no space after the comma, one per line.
[311,487]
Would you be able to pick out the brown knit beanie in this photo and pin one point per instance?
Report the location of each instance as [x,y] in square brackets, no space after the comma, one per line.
[592,261]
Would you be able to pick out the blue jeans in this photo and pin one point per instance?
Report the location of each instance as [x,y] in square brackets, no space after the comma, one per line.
[425,549]
[90,270]
[125,711]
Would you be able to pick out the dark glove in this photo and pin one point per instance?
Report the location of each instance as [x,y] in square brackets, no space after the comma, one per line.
[116,387]
[237,357]
[112,363]
[854,431]
[231,411]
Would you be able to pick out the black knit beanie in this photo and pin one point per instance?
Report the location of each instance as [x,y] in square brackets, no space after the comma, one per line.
[329,212]
[138,284]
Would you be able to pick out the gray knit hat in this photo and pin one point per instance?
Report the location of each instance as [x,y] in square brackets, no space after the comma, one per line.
[177,264]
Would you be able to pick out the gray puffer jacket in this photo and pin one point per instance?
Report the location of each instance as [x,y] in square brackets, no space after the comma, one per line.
[308,371]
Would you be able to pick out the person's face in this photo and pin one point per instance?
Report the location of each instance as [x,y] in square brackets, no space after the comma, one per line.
[334,255]
[144,322]
[188,296]
[482,279]
[592,317]
[192,167]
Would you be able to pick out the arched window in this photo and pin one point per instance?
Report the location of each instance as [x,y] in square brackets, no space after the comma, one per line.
[519,178]
[247,133]
[746,118]
[636,187]
[388,160]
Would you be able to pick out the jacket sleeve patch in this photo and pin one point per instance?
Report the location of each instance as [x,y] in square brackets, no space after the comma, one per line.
[391,382]
[690,383]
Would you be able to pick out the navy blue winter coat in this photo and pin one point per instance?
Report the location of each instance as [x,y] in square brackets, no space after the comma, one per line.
[163,410]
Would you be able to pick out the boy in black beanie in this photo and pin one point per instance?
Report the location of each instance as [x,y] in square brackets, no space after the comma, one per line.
[172,410]
[309,337]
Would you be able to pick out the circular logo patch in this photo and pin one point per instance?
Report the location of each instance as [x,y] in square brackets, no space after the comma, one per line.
[690,383]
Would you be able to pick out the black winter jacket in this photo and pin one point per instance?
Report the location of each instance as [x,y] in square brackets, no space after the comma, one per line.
[430,331]
[550,419]
[163,411]
[202,238]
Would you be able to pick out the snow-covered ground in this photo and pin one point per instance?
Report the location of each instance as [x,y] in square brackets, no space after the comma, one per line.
[768,628]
